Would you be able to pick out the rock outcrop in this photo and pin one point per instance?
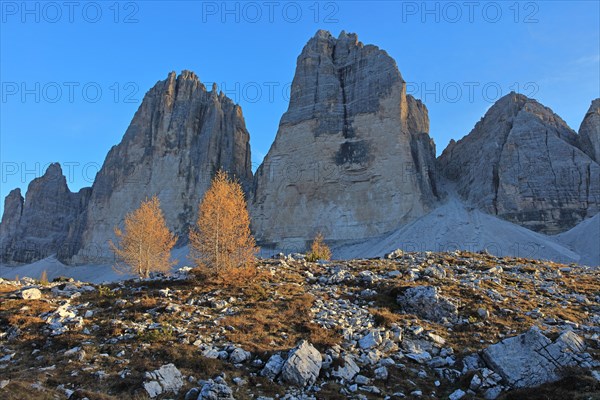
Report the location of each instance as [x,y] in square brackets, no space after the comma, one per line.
[352,157]
[589,132]
[532,359]
[37,226]
[521,162]
[179,137]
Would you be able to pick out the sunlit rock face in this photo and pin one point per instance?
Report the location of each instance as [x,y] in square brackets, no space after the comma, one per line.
[352,157]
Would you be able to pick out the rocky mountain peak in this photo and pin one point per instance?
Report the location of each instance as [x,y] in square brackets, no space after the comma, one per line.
[330,86]
[350,141]
[38,226]
[13,209]
[589,131]
[53,170]
[527,167]
[179,137]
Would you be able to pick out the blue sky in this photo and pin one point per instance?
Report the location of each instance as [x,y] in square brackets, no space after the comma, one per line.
[73,74]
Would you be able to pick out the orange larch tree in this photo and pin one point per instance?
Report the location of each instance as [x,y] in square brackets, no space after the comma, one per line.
[145,243]
[221,244]
[319,250]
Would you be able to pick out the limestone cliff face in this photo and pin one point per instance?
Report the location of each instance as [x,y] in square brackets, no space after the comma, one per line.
[352,157]
[521,162]
[178,138]
[589,132]
[38,226]
[13,210]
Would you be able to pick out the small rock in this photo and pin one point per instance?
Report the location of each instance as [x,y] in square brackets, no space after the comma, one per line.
[472,362]
[239,381]
[386,362]
[420,357]
[475,382]
[371,389]
[31,294]
[381,373]
[372,339]
[303,365]
[457,395]
[72,351]
[211,353]
[347,370]
[238,356]
[437,339]
[273,367]
[216,390]
[165,379]
[435,271]
[394,274]
[394,254]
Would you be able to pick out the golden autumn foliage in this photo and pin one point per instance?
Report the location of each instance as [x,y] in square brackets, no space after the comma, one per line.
[319,250]
[221,244]
[145,244]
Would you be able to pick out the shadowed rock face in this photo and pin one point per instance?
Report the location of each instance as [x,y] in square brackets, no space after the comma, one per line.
[178,138]
[38,226]
[352,157]
[13,209]
[589,132]
[521,162]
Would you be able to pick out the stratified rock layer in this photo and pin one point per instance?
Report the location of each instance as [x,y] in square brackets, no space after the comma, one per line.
[352,157]
[521,162]
[179,137]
